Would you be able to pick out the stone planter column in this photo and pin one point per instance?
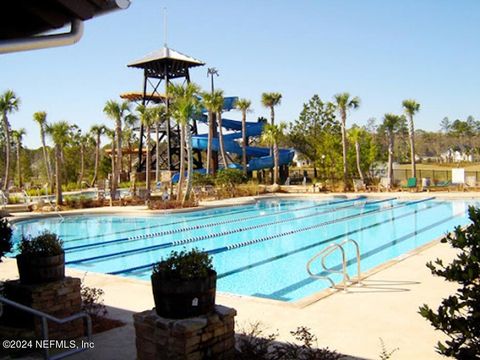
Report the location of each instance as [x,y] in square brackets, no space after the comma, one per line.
[58,298]
[210,336]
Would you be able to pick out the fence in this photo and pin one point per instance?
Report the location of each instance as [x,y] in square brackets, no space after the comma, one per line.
[434,175]
[399,175]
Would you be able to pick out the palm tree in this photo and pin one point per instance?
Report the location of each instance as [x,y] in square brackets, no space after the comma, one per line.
[411,107]
[117,112]
[113,184]
[271,135]
[9,102]
[244,106]
[129,137]
[218,110]
[355,134]
[82,141]
[40,117]
[60,132]
[159,118]
[185,105]
[344,102]
[148,117]
[17,136]
[391,124]
[97,131]
[270,100]
[211,101]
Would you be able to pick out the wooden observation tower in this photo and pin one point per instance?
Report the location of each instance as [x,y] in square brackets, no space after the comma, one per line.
[163,65]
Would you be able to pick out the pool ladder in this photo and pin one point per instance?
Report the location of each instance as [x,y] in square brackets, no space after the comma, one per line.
[346,280]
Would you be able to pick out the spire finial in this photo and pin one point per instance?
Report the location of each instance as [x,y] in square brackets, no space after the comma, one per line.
[165,26]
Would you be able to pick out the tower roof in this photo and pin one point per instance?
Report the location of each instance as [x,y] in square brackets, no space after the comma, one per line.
[174,62]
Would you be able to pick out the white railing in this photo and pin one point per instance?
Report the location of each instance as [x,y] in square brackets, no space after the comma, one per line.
[47,317]
[332,248]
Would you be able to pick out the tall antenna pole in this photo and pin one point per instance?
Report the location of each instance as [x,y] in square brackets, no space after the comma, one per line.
[210,72]
[165,26]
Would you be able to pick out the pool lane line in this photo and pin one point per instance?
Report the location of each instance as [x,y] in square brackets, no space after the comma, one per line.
[326,241]
[326,223]
[159,225]
[271,237]
[138,237]
[202,237]
[202,226]
[307,247]
[202,218]
[365,255]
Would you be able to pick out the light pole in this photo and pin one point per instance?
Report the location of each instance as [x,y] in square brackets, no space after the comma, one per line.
[210,72]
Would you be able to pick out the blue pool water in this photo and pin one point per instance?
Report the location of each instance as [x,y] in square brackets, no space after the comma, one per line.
[259,249]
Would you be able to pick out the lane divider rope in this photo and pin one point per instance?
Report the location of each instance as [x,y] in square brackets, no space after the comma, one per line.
[160,225]
[200,237]
[326,241]
[270,237]
[202,226]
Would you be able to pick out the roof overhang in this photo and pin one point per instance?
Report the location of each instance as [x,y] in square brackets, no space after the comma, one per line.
[22,22]
[166,61]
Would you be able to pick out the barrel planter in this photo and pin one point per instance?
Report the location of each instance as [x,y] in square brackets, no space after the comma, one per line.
[40,269]
[180,299]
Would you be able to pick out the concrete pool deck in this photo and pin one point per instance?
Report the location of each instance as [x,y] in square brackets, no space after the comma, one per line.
[142,209]
[351,323]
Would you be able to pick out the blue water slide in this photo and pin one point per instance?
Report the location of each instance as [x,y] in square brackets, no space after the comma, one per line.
[260,157]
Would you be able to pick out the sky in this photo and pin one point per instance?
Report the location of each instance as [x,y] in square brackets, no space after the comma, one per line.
[383,51]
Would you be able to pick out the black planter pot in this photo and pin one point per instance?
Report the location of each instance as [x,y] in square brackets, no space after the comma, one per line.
[180,299]
[36,270]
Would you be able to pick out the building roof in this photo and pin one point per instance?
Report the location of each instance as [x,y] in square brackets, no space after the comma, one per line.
[25,18]
[175,63]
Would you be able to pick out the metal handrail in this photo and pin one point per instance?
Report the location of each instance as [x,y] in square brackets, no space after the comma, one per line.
[327,252]
[357,250]
[344,262]
[55,210]
[54,319]
[27,197]
[47,198]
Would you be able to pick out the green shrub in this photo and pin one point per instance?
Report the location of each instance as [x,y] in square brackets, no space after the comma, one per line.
[125,184]
[252,344]
[14,200]
[184,265]
[250,189]
[72,186]
[202,180]
[458,316]
[79,202]
[92,301]
[45,244]
[227,181]
[71,201]
[155,204]
[5,237]
[36,192]
[230,177]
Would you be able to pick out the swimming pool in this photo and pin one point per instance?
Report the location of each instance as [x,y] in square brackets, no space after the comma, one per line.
[258,249]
